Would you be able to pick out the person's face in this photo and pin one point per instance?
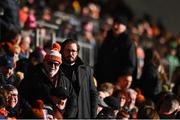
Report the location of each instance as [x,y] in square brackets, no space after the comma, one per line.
[102,94]
[26,43]
[12,98]
[125,82]
[132,98]
[60,103]
[16,53]
[122,100]
[52,67]
[118,28]
[70,53]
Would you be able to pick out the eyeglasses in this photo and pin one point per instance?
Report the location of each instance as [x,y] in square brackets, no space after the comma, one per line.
[14,94]
[53,63]
[69,50]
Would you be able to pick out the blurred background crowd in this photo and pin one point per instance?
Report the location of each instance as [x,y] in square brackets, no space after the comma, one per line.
[28,28]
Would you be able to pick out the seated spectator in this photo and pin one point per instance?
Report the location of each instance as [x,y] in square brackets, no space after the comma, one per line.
[147,102]
[107,87]
[25,46]
[169,106]
[131,105]
[148,112]
[7,75]
[122,97]
[110,111]
[17,51]
[59,97]
[26,65]
[12,104]
[36,112]
[101,104]
[124,82]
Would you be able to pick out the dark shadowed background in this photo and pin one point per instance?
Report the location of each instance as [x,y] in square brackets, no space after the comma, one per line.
[168,11]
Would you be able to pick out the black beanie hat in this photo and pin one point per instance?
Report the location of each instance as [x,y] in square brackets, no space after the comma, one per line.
[59,92]
[120,19]
[112,102]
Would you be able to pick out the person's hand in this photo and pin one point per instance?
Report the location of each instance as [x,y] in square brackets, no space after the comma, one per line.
[20,75]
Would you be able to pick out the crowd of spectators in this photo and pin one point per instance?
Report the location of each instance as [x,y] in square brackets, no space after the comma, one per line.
[136,62]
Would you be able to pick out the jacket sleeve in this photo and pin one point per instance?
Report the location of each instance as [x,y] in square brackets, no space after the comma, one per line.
[131,59]
[71,105]
[93,95]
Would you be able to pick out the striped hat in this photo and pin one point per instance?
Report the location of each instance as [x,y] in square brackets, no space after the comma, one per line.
[54,54]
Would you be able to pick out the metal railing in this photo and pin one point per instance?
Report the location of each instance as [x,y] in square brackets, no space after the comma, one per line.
[86,53]
[40,38]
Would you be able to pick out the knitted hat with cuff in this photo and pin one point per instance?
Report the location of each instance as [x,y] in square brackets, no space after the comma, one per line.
[54,54]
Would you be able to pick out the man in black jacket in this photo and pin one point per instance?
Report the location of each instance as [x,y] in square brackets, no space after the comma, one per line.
[117,56]
[81,76]
[46,76]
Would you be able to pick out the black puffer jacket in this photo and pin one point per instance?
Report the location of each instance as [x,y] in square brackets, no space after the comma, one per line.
[38,86]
